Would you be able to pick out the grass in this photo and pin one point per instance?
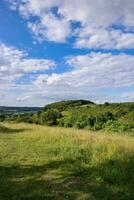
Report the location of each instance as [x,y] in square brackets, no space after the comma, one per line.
[44,163]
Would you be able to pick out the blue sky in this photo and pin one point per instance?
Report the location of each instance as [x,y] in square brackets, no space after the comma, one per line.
[53,50]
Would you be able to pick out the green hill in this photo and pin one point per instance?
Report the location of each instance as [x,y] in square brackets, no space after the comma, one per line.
[64,105]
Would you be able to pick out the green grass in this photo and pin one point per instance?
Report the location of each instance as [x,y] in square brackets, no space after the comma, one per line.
[41,163]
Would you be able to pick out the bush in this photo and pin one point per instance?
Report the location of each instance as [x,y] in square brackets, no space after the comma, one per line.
[2,117]
[79,125]
[69,121]
[50,117]
[116,126]
[90,121]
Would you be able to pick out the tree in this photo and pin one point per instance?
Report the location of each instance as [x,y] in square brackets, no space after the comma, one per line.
[50,117]
[2,117]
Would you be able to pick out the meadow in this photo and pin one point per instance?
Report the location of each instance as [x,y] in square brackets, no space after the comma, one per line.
[51,163]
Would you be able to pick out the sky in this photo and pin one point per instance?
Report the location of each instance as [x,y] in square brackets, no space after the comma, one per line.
[52,50]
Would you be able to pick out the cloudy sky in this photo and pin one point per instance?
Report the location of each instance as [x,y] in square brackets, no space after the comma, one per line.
[53,50]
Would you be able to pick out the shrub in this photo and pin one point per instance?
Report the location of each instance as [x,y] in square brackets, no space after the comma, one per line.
[2,117]
[50,117]
[117,126]
[69,121]
[90,121]
[79,124]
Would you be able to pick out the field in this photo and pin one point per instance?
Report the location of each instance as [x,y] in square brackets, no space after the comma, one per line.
[41,163]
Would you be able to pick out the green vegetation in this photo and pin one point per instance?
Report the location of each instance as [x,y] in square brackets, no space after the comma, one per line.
[49,163]
[64,105]
[114,117]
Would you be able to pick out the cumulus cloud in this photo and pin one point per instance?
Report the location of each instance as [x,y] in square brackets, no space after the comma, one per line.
[15,63]
[93,70]
[47,79]
[50,28]
[102,24]
[90,76]
[95,37]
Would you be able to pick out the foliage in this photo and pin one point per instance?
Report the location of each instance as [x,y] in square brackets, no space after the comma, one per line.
[50,117]
[64,105]
[2,117]
[112,117]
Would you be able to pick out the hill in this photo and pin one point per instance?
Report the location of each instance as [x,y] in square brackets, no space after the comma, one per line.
[64,105]
[38,162]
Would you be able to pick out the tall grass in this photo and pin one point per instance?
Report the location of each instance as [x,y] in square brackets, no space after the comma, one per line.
[39,162]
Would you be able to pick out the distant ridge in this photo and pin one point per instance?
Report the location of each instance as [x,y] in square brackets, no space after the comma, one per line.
[14,109]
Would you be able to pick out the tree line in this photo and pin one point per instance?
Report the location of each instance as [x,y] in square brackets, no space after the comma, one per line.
[111,117]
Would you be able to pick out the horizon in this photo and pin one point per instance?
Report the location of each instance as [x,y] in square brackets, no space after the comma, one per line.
[58,50]
[96,103]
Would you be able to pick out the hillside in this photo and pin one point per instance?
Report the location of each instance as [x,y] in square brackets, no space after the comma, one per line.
[64,105]
[81,114]
[49,163]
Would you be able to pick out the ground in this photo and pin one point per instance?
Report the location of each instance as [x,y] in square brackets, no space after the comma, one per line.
[44,163]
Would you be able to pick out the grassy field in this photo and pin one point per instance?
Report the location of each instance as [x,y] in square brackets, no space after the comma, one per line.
[41,163]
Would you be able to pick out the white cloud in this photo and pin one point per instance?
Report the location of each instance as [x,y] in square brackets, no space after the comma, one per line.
[47,79]
[96,18]
[93,70]
[25,98]
[50,28]
[34,65]
[94,37]
[15,63]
